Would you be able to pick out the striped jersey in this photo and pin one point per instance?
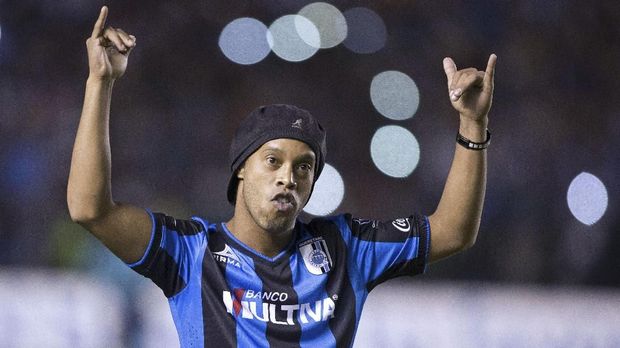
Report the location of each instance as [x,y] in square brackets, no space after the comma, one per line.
[222,293]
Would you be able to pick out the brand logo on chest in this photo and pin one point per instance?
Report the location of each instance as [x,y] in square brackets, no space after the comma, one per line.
[227,256]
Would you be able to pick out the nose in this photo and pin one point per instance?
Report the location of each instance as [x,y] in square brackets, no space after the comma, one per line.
[286,177]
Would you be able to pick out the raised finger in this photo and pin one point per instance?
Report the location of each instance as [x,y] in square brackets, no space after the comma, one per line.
[100,23]
[449,67]
[489,74]
[112,35]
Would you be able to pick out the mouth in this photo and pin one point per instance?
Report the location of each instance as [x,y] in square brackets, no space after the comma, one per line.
[284,202]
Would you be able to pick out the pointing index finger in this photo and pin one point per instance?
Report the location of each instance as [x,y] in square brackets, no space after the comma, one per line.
[100,24]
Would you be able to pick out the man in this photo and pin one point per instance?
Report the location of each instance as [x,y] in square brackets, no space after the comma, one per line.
[264,278]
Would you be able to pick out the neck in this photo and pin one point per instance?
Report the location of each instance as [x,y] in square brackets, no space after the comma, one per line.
[266,242]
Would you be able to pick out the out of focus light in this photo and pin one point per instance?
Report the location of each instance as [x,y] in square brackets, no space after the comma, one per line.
[294,38]
[328,193]
[366,30]
[587,198]
[329,21]
[394,95]
[244,41]
[395,151]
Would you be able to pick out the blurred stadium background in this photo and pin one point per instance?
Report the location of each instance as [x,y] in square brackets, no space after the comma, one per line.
[545,271]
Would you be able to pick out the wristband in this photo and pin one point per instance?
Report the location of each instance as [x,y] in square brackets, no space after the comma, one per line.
[470,145]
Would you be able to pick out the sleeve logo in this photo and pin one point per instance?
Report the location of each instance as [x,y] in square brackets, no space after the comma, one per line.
[316,255]
[361,222]
[402,225]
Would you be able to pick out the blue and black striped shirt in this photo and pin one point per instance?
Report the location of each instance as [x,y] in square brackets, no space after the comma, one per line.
[224,294]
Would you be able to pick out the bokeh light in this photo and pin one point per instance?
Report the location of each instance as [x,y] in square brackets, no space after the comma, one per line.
[328,193]
[366,31]
[394,95]
[294,38]
[587,198]
[245,41]
[395,151]
[329,21]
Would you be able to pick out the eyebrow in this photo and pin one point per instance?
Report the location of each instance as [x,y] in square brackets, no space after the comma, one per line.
[307,156]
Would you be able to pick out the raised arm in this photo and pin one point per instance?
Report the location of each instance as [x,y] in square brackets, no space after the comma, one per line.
[123,228]
[455,223]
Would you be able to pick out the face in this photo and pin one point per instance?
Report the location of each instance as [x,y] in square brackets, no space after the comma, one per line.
[275,183]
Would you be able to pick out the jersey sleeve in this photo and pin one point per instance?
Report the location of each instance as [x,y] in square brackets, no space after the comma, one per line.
[172,252]
[388,249]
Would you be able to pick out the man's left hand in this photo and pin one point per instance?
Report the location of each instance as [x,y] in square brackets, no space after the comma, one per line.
[471,90]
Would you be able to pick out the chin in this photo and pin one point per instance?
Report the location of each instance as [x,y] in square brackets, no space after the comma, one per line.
[278,224]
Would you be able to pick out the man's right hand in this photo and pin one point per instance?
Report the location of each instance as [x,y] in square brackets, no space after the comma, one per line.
[108,49]
[123,228]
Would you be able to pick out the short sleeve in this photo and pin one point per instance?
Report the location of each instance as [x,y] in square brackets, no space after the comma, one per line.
[388,249]
[172,252]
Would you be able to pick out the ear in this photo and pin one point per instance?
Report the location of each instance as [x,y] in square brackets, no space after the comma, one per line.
[240,173]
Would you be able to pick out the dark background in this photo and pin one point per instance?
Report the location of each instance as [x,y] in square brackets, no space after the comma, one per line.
[555,115]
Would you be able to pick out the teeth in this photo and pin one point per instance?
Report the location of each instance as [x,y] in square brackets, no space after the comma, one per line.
[283,200]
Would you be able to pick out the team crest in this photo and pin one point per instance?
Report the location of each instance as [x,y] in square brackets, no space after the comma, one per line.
[316,255]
